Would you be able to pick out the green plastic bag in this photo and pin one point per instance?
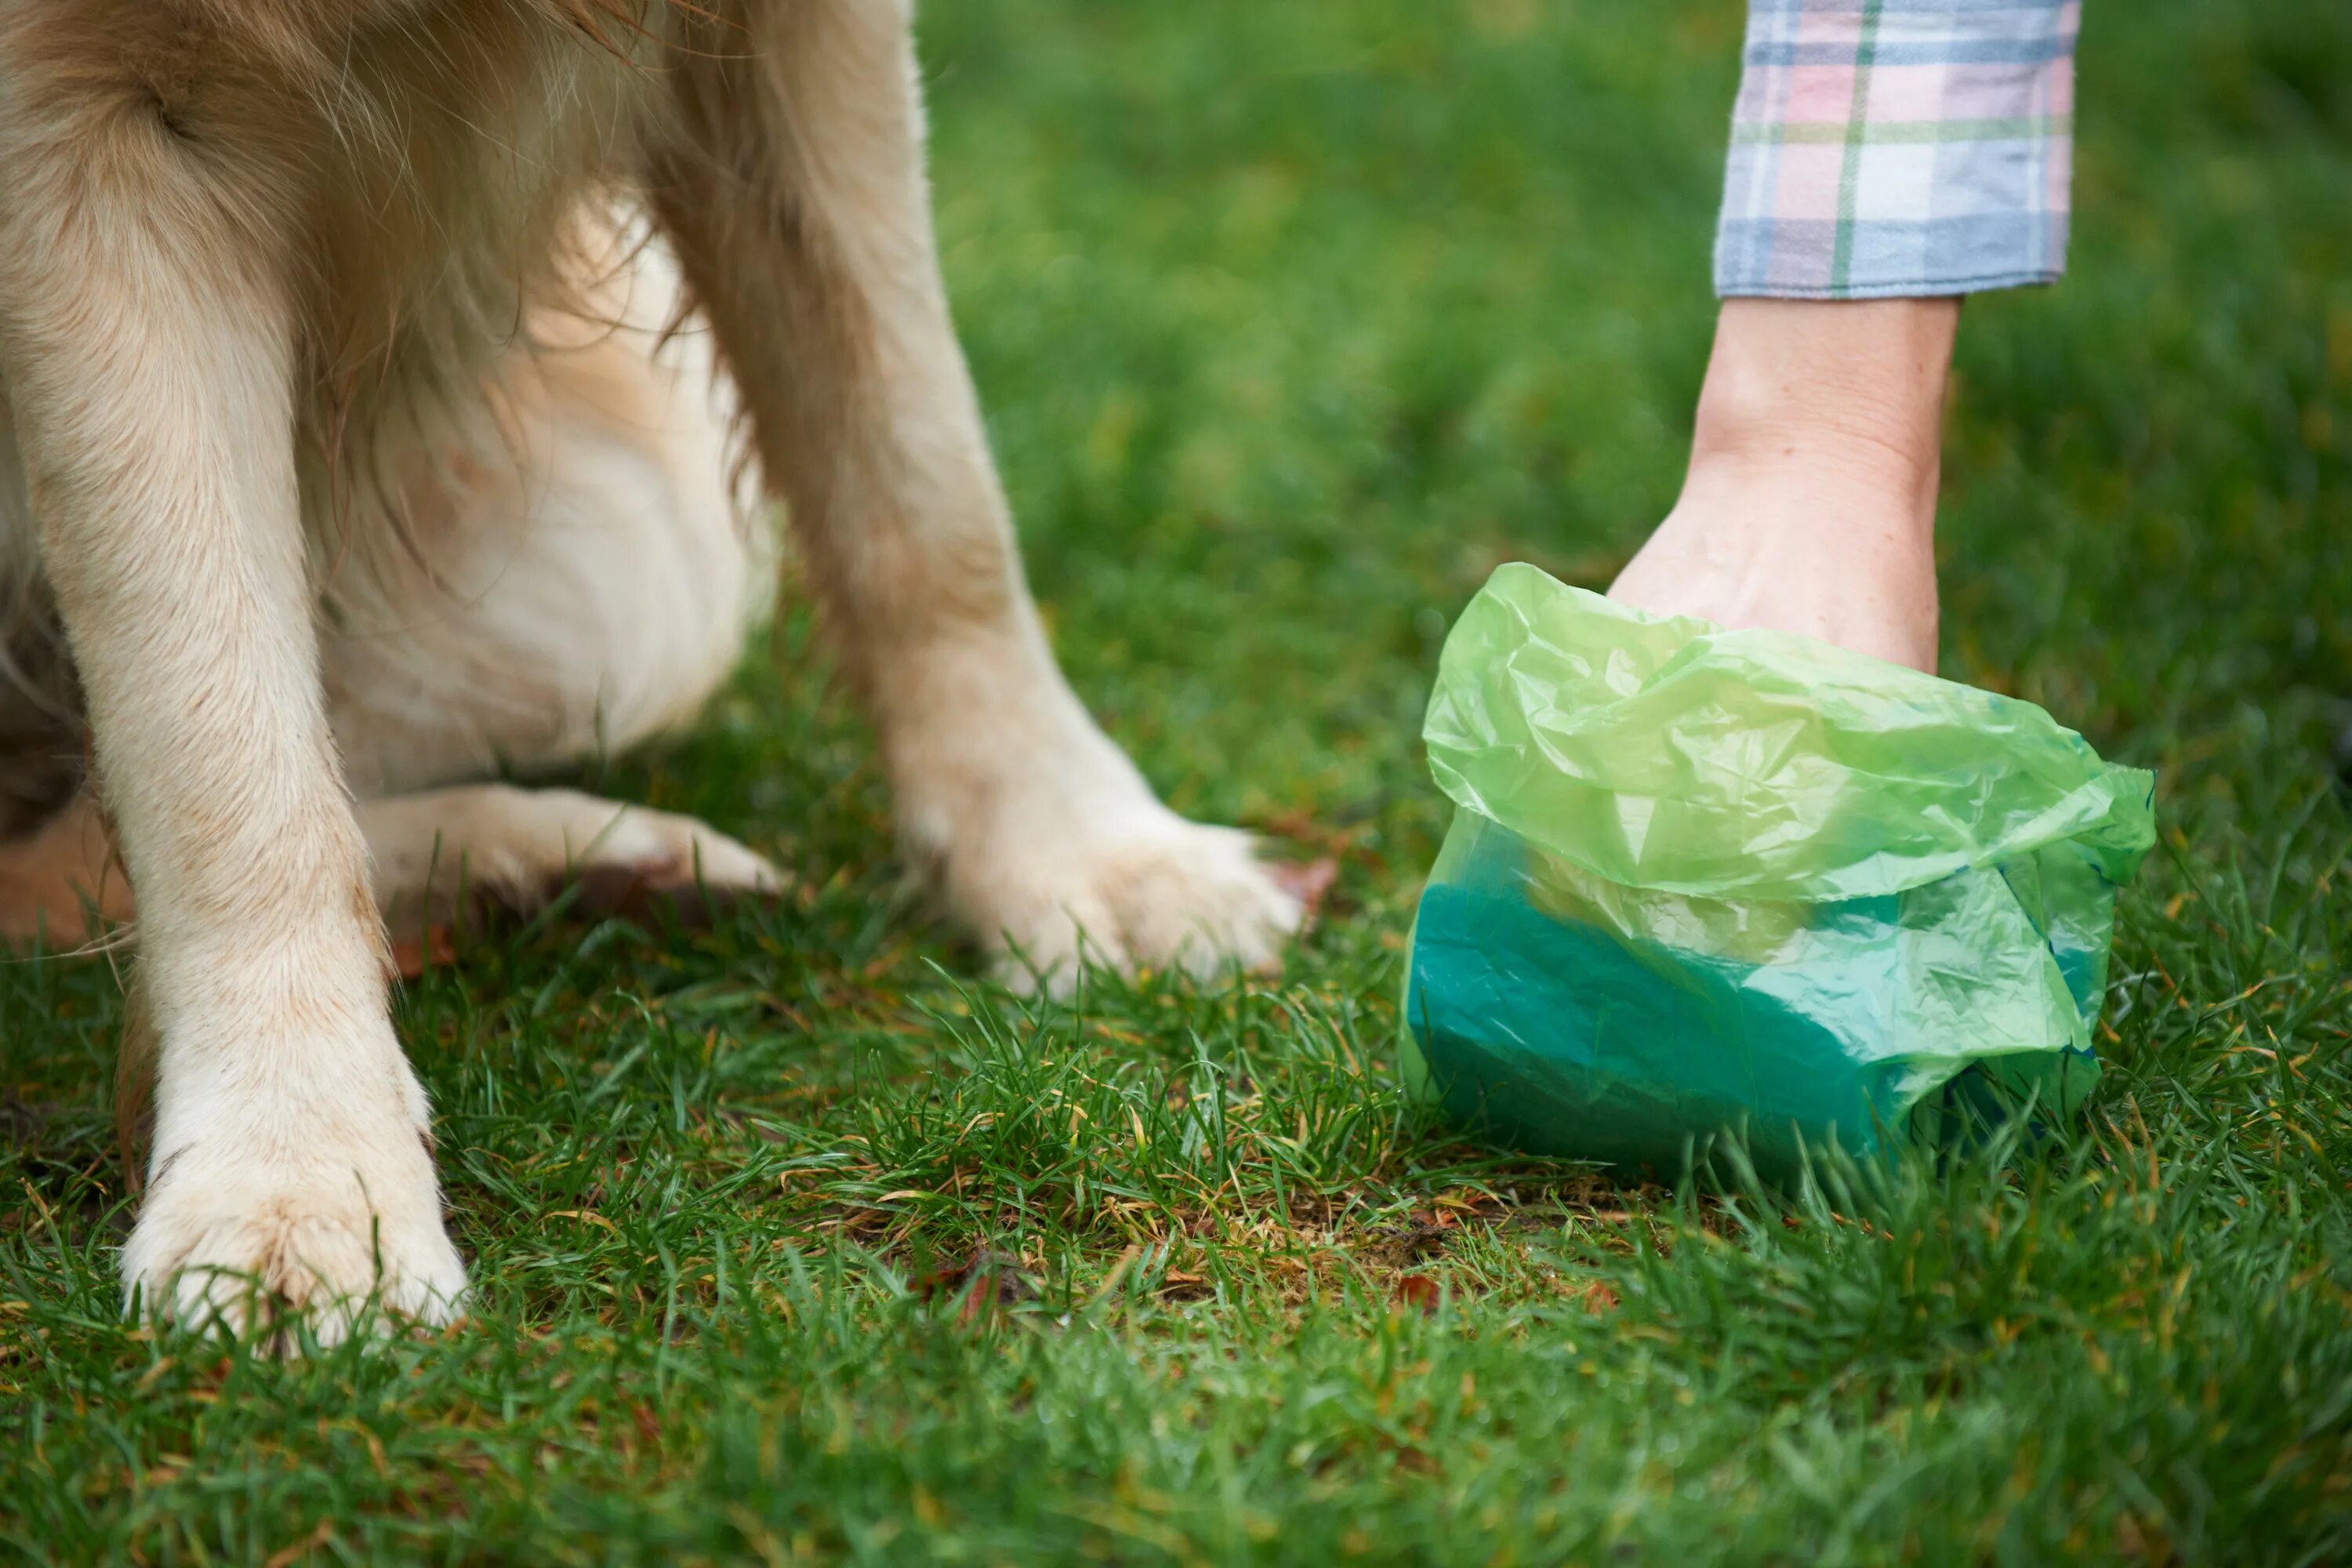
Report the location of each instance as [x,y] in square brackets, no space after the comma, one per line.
[1702,879]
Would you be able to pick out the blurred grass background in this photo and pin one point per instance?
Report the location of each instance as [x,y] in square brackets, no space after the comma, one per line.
[795,1243]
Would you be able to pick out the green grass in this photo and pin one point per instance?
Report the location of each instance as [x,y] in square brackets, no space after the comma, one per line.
[796,1242]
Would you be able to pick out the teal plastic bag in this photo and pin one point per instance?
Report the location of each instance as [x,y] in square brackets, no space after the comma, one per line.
[1701,878]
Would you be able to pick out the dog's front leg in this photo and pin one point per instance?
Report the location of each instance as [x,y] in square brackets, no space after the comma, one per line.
[793,185]
[147,333]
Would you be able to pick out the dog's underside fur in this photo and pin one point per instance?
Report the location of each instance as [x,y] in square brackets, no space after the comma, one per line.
[386,390]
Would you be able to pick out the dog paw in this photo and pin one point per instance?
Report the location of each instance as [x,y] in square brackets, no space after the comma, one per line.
[1154,891]
[655,859]
[244,1241]
[519,848]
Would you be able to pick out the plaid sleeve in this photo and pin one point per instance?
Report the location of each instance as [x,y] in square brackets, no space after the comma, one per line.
[1899,147]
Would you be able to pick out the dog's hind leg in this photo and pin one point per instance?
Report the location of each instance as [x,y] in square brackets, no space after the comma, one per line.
[429,851]
[148,330]
[592,579]
[517,848]
[791,182]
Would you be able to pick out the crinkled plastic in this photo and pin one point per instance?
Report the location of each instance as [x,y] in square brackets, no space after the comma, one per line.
[1702,878]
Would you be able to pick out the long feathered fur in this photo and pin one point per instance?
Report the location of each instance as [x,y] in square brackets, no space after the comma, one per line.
[377,445]
[429,265]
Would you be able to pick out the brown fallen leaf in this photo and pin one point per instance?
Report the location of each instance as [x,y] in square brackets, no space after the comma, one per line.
[1416,1461]
[1417,1291]
[943,1278]
[1182,1285]
[982,1282]
[285,1556]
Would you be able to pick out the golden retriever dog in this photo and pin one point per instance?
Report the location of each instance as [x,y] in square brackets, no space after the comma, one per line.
[385,390]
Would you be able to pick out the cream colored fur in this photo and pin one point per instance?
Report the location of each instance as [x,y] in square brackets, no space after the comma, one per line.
[348,440]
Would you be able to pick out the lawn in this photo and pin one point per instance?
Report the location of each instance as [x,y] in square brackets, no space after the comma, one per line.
[797,1241]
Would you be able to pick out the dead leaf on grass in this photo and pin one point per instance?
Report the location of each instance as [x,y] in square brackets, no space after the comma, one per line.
[285,1556]
[1416,1461]
[984,1280]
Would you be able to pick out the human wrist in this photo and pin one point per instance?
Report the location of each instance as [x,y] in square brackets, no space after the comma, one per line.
[1853,388]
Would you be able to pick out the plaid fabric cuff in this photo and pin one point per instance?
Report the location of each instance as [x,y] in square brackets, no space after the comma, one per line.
[1899,147]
